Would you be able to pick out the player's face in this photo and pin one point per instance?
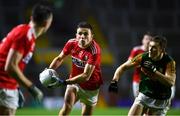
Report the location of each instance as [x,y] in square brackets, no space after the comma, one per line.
[84,36]
[146,39]
[155,51]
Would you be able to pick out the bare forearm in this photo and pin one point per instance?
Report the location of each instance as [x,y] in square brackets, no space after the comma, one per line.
[56,63]
[20,77]
[78,79]
[118,73]
[167,80]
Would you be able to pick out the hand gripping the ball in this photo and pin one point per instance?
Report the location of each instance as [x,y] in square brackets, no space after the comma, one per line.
[57,82]
[50,79]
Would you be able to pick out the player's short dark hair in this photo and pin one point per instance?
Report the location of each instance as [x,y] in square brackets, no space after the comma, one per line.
[149,33]
[40,13]
[85,24]
[161,40]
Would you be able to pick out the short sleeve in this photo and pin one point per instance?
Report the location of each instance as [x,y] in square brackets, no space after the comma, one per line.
[132,54]
[68,47]
[137,59]
[19,43]
[94,59]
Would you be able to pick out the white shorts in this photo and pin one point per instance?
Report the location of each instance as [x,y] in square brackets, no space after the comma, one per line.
[159,106]
[135,89]
[9,98]
[88,97]
[173,89]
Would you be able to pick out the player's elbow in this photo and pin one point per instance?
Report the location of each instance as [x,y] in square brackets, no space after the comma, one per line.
[123,68]
[86,77]
[171,83]
[9,68]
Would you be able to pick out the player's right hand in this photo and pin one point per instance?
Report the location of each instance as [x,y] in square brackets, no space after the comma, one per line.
[36,93]
[113,87]
[57,82]
[149,66]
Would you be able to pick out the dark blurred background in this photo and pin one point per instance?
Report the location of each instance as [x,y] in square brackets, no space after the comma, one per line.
[119,25]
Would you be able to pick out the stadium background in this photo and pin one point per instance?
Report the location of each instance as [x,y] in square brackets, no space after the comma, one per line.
[118,24]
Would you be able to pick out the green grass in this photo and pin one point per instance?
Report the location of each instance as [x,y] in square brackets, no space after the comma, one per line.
[98,111]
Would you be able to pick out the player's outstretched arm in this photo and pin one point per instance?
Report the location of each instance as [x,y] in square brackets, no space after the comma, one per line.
[57,61]
[113,87]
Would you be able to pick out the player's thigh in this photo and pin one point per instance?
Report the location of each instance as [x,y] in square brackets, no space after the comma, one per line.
[88,97]
[70,96]
[87,109]
[159,112]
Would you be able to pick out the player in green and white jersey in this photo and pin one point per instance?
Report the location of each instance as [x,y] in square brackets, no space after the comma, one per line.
[158,74]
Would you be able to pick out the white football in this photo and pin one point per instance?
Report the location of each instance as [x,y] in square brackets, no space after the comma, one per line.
[45,77]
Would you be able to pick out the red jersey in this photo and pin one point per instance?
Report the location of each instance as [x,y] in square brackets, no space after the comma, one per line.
[21,39]
[135,51]
[80,57]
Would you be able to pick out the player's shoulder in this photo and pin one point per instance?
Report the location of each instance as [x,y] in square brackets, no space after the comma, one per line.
[72,40]
[22,27]
[18,30]
[95,48]
[136,48]
[168,57]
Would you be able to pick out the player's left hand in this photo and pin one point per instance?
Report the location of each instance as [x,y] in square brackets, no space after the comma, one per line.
[36,93]
[113,87]
[57,82]
[148,65]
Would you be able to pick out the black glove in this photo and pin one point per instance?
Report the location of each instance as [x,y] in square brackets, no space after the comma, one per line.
[149,66]
[113,87]
[36,93]
[57,82]
[21,98]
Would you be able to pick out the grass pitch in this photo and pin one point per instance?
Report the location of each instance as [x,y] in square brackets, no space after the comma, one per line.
[98,111]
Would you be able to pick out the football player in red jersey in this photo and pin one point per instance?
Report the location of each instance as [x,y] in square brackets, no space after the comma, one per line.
[85,78]
[16,50]
[134,52]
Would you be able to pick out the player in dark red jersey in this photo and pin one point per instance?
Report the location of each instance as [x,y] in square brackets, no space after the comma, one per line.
[134,52]
[85,78]
[16,49]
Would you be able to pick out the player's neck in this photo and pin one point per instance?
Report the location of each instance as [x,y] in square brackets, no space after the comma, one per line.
[143,47]
[37,30]
[159,57]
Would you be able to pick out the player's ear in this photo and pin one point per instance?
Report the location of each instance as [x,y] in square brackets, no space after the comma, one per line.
[44,24]
[92,35]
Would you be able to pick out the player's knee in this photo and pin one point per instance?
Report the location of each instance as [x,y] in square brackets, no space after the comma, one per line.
[69,106]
